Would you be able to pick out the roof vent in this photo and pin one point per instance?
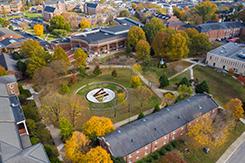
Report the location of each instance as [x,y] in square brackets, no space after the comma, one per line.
[144,119]
[14,105]
[132,140]
[178,117]
[200,107]
[106,34]
[155,128]
[119,131]
[167,109]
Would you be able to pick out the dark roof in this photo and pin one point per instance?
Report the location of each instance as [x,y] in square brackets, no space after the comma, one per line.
[8,62]
[218,26]
[128,21]
[92,5]
[104,34]
[5,31]
[49,9]
[135,135]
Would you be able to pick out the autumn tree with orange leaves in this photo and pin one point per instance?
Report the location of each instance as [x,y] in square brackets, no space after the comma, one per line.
[38,29]
[98,155]
[235,105]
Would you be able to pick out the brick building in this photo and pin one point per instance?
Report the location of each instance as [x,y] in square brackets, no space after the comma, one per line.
[221,30]
[6,33]
[13,6]
[142,137]
[228,57]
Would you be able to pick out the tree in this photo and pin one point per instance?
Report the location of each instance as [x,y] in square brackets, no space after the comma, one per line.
[35,63]
[2,71]
[124,13]
[97,126]
[156,108]
[143,50]
[38,29]
[152,27]
[65,128]
[120,97]
[173,157]
[135,81]
[80,58]
[59,22]
[179,13]
[206,10]
[134,35]
[235,105]
[184,81]
[60,67]
[4,23]
[184,91]
[163,80]
[43,76]
[85,23]
[198,42]
[60,54]
[97,70]
[144,94]
[21,66]
[172,45]
[201,131]
[202,87]
[98,155]
[31,48]
[114,73]
[76,147]
[137,68]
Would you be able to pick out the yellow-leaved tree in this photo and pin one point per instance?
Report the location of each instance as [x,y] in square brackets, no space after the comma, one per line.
[76,147]
[2,71]
[135,81]
[85,23]
[200,131]
[97,126]
[98,155]
[235,105]
[38,29]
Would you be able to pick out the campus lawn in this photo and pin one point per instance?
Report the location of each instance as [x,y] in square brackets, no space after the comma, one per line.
[153,72]
[197,155]
[222,86]
[30,15]
[122,111]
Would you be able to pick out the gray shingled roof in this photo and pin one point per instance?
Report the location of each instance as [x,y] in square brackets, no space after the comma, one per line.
[7,79]
[135,135]
[49,9]
[105,34]
[219,25]
[8,62]
[5,31]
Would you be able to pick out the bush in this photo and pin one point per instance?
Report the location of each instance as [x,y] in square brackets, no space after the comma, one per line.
[169,147]
[114,73]
[135,81]
[184,81]
[31,112]
[64,89]
[141,115]
[97,70]
[202,87]
[163,80]
[155,155]
[59,32]
[156,108]
[44,136]
[35,140]
[21,66]
[51,150]
[163,151]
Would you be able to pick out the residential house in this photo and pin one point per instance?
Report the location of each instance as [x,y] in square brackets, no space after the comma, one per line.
[91,8]
[15,143]
[221,30]
[139,138]
[13,6]
[6,33]
[53,8]
[228,57]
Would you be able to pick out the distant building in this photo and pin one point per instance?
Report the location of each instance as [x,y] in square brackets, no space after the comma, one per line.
[142,137]
[229,57]
[15,143]
[13,6]
[53,8]
[91,8]
[221,30]
[128,21]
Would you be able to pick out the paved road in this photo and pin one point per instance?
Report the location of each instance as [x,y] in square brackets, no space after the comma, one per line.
[238,156]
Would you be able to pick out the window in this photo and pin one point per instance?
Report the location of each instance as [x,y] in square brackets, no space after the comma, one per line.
[137,151]
[137,157]
[174,132]
[214,64]
[155,142]
[146,147]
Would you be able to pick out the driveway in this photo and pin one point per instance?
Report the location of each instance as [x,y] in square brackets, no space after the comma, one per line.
[238,156]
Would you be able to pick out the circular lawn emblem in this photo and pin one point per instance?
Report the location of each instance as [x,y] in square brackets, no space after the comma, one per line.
[100,95]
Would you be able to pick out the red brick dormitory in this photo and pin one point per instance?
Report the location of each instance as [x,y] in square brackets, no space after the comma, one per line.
[142,137]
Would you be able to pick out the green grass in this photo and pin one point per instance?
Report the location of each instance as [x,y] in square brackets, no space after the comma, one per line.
[30,15]
[153,72]
[222,86]
[197,155]
[134,103]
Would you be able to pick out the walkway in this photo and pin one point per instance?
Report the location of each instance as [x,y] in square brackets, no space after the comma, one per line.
[235,153]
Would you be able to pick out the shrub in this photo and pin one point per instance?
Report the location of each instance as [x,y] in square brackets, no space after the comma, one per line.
[169,147]
[59,32]
[114,73]
[64,89]
[184,81]
[202,87]
[156,108]
[163,151]
[141,115]
[97,70]
[135,81]
[155,155]
[31,112]
[163,80]
[35,140]
[51,150]
[21,66]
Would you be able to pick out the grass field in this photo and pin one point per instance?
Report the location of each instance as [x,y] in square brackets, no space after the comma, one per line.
[134,103]
[222,86]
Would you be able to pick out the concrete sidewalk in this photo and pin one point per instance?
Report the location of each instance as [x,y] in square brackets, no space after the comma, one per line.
[232,149]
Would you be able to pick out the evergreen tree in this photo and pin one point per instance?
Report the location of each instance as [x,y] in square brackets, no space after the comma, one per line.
[202,87]
[163,81]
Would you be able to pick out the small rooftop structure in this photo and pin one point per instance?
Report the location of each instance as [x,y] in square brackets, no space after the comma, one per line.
[128,21]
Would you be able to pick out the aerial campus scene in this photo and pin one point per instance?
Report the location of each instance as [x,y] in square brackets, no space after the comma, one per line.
[122,81]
